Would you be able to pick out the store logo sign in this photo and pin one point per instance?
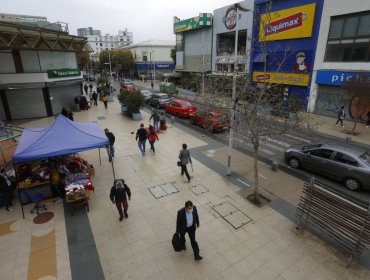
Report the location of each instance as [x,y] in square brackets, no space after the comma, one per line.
[230,18]
[284,24]
[338,78]
[63,73]
[281,78]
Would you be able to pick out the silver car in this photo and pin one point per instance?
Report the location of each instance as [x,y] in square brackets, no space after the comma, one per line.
[343,162]
[147,94]
[159,100]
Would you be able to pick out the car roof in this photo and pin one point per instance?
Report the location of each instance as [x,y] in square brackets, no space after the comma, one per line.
[340,147]
[161,94]
[180,100]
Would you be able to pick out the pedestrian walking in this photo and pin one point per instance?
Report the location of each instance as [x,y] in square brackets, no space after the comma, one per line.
[141,137]
[187,222]
[91,87]
[118,195]
[156,120]
[185,158]
[368,119]
[105,101]
[7,190]
[95,98]
[152,137]
[152,84]
[110,148]
[86,87]
[341,116]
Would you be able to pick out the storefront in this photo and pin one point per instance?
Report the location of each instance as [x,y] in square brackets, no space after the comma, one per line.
[330,93]
[285,45]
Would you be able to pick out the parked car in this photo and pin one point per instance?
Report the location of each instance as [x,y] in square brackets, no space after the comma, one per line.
[159,100]
[92,78]
[180,108]
[147,94]
[211,120]
[343,162]
[125,82]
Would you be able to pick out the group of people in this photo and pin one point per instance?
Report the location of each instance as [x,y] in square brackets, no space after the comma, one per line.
[342,115]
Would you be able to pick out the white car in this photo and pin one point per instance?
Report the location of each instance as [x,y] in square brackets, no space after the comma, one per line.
[147,94]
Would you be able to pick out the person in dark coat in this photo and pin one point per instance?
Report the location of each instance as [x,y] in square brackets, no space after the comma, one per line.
[341,116]
[64,112]
[110,148]
[187,222]
[6,190]
[118,195]
[95,98]
[86,88]
[141,137]
[185,158]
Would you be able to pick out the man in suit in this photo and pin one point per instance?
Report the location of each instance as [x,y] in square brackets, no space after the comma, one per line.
[187,222]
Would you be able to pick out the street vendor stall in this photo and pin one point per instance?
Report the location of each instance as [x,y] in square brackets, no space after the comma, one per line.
[62,138]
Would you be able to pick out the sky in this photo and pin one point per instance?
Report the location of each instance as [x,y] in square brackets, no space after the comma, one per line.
[147,19]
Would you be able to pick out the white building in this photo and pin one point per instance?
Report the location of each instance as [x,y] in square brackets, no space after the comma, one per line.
[152,54]
[109,42]
[342,53]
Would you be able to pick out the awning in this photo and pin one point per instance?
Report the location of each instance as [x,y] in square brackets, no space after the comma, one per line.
[260,58]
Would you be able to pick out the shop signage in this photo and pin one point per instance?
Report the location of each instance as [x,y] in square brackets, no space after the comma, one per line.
[291,23]
[203,20]
[63,73]
[230,18]
[282,78]
[337,78]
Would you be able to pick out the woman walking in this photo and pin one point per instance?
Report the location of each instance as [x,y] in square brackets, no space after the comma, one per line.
[185,158]
[105,101]
[341,116]
[152,137]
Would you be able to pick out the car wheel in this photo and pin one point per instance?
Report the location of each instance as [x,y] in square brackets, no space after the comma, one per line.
[352,184]
[294,162]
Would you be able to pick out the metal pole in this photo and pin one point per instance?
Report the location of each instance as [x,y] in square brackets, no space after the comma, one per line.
[110,68]
[153,70]
[203,71]
[19,192]
[99,156]
[114,174]
[233,97]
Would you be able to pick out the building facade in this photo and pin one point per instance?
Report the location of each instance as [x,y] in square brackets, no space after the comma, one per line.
[38,71]
[343,53]
[225,27]
[109,42]
[285,36]
[194,43]
[152,56]
[21,18]
[83,32]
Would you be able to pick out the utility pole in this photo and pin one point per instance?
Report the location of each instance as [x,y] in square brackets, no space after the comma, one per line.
[202,46]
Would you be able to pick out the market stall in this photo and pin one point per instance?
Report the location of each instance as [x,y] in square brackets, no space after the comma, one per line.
[55,148]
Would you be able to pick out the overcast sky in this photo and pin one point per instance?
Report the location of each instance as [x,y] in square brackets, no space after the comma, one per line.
[147,19]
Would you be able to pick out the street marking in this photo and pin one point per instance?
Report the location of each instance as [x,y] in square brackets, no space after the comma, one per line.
[244,183]
[268,152]
[298,138]
[278,142]
[259,174]
[274,147]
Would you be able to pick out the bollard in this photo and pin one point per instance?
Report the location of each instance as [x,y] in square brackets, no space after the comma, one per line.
[173,119]
[275,166]
[348,139]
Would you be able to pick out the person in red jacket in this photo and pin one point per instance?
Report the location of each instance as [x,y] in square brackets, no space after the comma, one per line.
[152,137]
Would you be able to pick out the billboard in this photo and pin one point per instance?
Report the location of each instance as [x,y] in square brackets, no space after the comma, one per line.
[282,78]
[203,20]
[291,23]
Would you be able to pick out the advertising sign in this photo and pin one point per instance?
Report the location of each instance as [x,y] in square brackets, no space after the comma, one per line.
[282,78]
[63,73]
[203,20]
[291,23]
[338,78]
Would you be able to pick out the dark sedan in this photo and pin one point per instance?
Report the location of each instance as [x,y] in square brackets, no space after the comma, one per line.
[343,162]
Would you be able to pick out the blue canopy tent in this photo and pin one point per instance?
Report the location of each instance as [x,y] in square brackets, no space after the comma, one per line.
[62,137]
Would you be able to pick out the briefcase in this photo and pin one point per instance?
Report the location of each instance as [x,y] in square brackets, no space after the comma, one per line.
[176,242]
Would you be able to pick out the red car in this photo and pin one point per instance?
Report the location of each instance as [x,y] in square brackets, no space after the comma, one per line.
[180,108]
[213,121]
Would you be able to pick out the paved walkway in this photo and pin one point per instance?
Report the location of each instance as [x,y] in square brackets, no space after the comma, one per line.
[237,240]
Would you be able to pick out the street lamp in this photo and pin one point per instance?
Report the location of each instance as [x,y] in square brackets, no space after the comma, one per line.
[238,7]
[202,46]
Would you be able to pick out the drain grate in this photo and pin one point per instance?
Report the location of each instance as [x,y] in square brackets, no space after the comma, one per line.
[101,118]
[199,189]
[232,214]
[163,190]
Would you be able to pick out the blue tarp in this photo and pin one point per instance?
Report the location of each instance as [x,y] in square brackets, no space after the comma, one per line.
[62,137]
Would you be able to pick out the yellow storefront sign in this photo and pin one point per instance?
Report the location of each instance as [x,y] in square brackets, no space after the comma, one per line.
[291,23]
[282,78]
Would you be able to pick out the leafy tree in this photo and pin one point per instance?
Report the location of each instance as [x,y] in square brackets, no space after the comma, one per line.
[83,60]
[173,55]
[358,88]
[120,59]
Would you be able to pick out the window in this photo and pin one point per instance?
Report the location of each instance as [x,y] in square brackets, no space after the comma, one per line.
[322,153]
[343,158]
[349,38]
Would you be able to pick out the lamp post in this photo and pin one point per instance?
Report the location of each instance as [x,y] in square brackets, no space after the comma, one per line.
[238,7]
[202,46]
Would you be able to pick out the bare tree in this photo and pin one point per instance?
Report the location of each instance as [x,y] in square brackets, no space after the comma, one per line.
[358,88]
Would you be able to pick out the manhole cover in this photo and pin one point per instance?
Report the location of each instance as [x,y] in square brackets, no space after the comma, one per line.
[199,189]
[43,217]
[101,118]
[163,190]
[225,208]
[232,214]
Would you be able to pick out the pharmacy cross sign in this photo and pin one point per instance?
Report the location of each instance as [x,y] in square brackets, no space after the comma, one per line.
[203,20]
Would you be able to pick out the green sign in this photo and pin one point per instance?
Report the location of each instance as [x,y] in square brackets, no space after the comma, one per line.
[204,19]
[63,73]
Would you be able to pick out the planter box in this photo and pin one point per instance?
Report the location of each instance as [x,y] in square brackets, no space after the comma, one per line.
[123,109]
[110,98]
[136,116]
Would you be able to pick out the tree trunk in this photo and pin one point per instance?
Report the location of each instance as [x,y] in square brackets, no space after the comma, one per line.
[255,167]
[354,126]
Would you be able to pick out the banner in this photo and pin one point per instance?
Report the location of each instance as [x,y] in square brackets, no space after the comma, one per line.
[282,78]
[63,73]
[203,20]
[291,23]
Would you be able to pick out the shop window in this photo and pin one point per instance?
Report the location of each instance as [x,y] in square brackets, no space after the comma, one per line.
[226,43]
[349,38]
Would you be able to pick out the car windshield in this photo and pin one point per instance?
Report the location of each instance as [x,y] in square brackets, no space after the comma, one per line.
[366,157]
[312,146]
[185,104]
[163,96]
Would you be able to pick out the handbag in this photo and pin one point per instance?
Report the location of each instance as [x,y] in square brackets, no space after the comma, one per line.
[176,242]
[178,163]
